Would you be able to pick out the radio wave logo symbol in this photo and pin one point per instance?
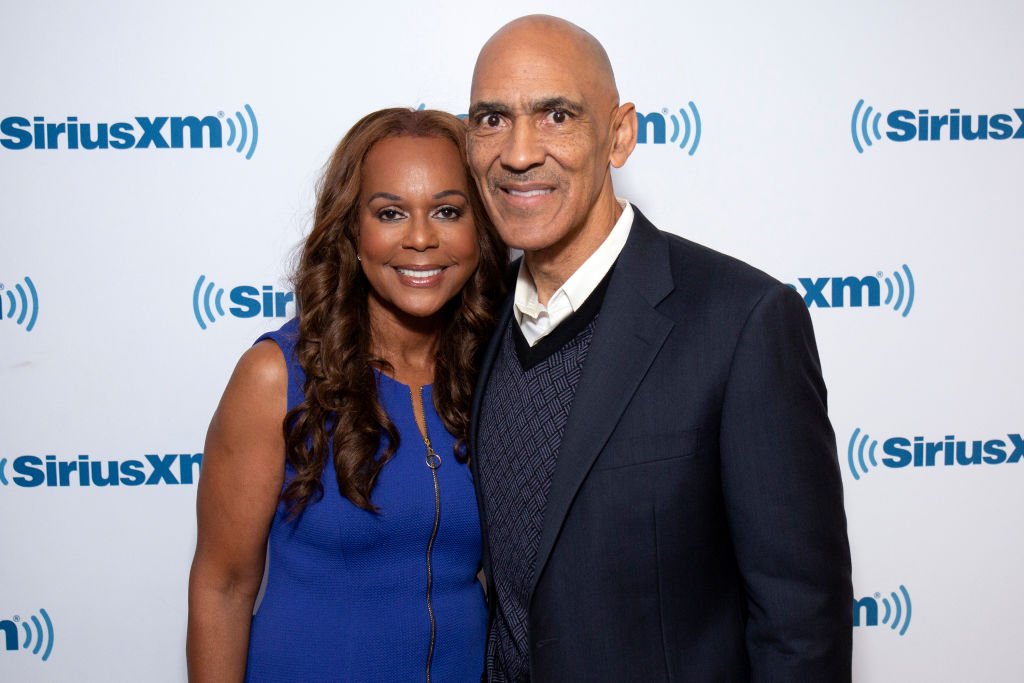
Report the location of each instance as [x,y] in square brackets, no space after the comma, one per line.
[3,471]
[38,634]
[901,611]
[861,444]
[904,291]
[202,297]
[864,126]
[22,303]
[897,610]
[246,140]
[687,128]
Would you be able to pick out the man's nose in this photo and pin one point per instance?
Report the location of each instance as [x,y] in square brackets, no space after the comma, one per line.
[523,148]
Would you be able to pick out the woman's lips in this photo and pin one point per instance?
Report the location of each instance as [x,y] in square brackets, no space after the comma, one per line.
[418,272]
[420,276]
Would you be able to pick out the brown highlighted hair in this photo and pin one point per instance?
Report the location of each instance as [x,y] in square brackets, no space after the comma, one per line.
[341,410]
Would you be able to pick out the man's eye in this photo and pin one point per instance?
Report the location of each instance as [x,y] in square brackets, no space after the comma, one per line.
[492,120]
[559,116]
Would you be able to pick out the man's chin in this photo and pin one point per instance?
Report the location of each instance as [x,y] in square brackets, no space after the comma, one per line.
[532,240]
[523,226]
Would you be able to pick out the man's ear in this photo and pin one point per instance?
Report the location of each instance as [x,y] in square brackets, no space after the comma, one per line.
[623,134]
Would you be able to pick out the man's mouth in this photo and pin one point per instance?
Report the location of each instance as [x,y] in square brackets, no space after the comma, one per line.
[528,193]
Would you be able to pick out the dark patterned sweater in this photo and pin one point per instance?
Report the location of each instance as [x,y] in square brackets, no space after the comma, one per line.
[525,409]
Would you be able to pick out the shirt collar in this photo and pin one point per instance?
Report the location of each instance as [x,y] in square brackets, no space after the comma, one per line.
[581,284]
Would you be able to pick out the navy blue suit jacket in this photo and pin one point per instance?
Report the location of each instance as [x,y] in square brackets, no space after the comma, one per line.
[695,528]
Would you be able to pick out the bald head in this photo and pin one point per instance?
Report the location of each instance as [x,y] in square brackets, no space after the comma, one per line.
[545,129]
[522,41]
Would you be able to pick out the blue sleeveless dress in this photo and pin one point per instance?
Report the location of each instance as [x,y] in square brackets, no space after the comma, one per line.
[345,591]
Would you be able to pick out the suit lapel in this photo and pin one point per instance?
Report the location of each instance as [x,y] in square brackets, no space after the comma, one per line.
[629,334]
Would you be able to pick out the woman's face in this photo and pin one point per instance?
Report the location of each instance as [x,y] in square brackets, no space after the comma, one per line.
[417,237]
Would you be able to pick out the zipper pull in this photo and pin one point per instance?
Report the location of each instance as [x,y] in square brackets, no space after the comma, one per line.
[433,460]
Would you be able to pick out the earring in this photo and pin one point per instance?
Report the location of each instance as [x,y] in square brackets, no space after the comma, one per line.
[358,258]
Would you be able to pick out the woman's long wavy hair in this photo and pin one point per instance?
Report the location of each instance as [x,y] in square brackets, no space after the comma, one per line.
[341,409]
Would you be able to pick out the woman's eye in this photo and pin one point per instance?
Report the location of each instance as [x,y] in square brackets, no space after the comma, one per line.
[448,213]
[389,214]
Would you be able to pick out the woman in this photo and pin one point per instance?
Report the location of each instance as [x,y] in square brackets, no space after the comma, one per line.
[338,531]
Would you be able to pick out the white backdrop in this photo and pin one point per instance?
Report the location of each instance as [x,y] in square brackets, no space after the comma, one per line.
[103,358]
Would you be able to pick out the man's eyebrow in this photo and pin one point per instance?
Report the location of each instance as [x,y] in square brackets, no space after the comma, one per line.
[549,103]
[489,107]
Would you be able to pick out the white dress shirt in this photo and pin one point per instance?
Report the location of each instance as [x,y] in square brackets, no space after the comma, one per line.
[537,320]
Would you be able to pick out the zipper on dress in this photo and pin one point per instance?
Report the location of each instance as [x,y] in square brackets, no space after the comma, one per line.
[433,461]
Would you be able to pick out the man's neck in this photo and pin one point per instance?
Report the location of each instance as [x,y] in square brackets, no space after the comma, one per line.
[550,268]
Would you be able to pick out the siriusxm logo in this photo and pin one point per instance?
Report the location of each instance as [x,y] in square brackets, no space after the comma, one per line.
[896,614]
[905,125]
[141,132]
[34,634]
[856,292]
[899,452]
[652,128]
[22,303]
[31,471]
[249,301]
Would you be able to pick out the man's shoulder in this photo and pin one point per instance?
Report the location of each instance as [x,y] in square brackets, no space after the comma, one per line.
[696,266]
[710,290]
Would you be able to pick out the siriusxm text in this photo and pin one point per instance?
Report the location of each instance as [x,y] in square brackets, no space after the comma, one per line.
[865,611]
[9,629]
[907,125]
[142,132]
[30,471]
[948,452]
[839,292]
[251,302]
[650,128]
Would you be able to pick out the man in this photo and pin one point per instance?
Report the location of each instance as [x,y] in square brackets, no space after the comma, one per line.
[655,466]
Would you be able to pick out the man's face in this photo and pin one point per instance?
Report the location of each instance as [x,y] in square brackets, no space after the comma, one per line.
[539,141]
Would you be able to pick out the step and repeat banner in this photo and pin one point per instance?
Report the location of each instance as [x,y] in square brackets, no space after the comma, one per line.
[158,164]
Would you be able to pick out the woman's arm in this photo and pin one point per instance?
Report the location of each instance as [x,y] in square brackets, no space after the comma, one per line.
[242,474]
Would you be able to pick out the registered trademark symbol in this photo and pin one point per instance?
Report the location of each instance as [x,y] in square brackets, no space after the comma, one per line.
[879,273]
[878,595]
[220,114]
[17,618]
[1,286]
[664,110]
